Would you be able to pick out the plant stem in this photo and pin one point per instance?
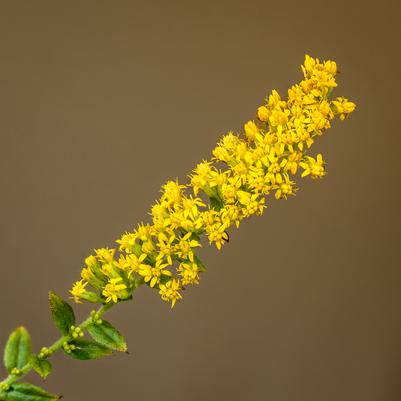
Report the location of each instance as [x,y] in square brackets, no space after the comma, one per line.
[10,379]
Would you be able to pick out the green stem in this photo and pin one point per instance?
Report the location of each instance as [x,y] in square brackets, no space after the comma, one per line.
[10,379]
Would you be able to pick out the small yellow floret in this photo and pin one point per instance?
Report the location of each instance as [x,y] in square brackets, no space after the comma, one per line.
[170,291]
[112,290]
[78,290]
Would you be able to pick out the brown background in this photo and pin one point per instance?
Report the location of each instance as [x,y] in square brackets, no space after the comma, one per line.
[102,102]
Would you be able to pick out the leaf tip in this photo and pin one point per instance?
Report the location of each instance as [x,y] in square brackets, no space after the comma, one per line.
[21,329]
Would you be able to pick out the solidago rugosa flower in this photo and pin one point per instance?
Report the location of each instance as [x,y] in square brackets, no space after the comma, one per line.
[234,184]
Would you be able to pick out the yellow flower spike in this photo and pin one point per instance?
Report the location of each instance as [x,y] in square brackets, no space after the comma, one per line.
[244,169]
[230,187]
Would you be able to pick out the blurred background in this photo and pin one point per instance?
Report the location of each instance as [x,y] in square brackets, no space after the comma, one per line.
[101,102]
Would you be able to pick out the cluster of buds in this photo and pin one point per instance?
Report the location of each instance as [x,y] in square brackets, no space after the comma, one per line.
[68,347]
[76,332]
[16,372]
[95,317]
[44,353]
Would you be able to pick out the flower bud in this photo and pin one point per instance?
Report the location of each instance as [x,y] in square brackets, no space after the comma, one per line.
[263,113]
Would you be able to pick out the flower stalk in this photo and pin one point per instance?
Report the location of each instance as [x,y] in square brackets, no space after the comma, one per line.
[233,185]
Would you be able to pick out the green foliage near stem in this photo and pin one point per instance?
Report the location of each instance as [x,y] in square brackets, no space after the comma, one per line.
[41,366]
[62,313]
[86,349]
[17,351]
[19,360]
[106,334]
[27,392]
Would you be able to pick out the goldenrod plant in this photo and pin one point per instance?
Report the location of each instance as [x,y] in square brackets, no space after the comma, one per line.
[234,184]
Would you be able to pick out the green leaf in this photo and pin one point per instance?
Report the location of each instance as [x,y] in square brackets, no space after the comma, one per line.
[201,266]
[104,333]
[41,366]
[85,350]
[27,392]
[216,203]
[17,350]
[62,313]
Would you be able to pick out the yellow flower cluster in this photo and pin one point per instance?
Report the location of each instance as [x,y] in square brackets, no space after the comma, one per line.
[222,191]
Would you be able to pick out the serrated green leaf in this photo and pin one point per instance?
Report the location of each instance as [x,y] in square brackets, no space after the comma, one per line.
[85,350]
[106,334]
[41,366]
[62,313]
[17,350]
[27,392]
